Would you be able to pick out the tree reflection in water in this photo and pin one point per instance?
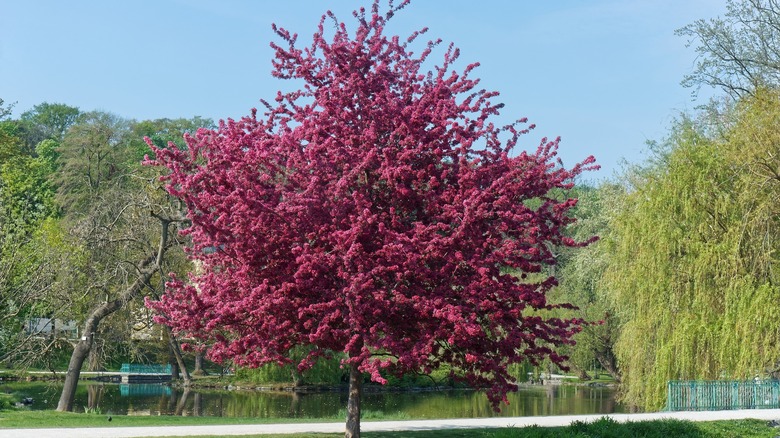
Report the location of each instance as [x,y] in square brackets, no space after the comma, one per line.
[164,400]
[94,396]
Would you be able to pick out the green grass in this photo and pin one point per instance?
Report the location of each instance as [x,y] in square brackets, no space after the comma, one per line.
[608,428]
[369,415]
[603,428]
[6,401]
[13,418]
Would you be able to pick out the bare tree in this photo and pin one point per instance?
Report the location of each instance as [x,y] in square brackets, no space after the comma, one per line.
[739,52]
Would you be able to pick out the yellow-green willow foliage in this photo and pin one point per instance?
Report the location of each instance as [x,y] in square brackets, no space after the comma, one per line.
[693,271]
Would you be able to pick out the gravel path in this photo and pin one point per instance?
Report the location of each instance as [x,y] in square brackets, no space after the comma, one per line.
[376,426]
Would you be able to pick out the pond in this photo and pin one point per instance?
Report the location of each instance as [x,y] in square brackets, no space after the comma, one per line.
[139,399]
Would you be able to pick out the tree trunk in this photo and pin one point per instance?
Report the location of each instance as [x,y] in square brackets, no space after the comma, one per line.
[93,360]
[83,347]
[353,403]
[198,371]
[197,405]
[174,365]
[94,395]
[80,353]
[182,404]
[173,343]
[609,363]
[581,373]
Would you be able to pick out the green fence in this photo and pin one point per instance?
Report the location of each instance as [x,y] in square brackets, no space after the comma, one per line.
[134,368]
[701,395]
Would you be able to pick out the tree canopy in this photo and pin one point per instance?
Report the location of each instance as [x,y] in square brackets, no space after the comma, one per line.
[580,271]
[692,270]
[376,211]
[84,228]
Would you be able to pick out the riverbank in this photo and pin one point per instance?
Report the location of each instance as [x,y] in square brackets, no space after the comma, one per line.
[231,382]
[116,430]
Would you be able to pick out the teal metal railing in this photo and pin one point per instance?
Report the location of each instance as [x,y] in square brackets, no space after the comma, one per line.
[134,368]
[143,389]
[713,395]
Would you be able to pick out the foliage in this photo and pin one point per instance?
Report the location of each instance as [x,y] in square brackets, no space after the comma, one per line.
[324,372]
[11,143]
[115,210]
[48,121]
[5,110]
[580,272]
[79,220]
[737,53]
[25,191]
[693,266]
[5,402]
[161,132]
[92,162]
[30,290]
[26,207]
[375,212]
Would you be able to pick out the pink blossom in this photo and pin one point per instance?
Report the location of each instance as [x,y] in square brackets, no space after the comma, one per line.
[375,212]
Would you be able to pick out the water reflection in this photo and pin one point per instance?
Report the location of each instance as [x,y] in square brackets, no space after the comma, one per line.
[140,389]
[140,399]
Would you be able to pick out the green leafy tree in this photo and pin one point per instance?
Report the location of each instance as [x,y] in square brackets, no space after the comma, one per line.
[163,131]
[31,266]
[5,110]
[48,121]
[692,271]
[580,276]
[27,209]
[117,211]
[11,143]
[25,191]
[82,225]
[92,155]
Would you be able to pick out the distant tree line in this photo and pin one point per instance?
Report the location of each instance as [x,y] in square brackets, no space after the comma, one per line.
[86,231]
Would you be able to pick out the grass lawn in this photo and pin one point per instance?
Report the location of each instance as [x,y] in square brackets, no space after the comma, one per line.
[16,419]
[603,428]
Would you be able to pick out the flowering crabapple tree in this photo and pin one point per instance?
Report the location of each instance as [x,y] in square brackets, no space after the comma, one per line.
[376,211]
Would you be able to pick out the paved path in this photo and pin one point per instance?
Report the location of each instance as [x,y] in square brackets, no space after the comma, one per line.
[376,426]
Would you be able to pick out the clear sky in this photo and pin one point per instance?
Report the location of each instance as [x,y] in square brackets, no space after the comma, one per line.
[602,74]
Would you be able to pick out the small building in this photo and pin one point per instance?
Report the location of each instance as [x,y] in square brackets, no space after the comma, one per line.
[48,327]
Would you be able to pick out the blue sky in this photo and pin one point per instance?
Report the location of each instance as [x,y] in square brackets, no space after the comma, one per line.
[602,74]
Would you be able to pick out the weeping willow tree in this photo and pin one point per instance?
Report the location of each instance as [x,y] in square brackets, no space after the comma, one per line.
[693,268]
